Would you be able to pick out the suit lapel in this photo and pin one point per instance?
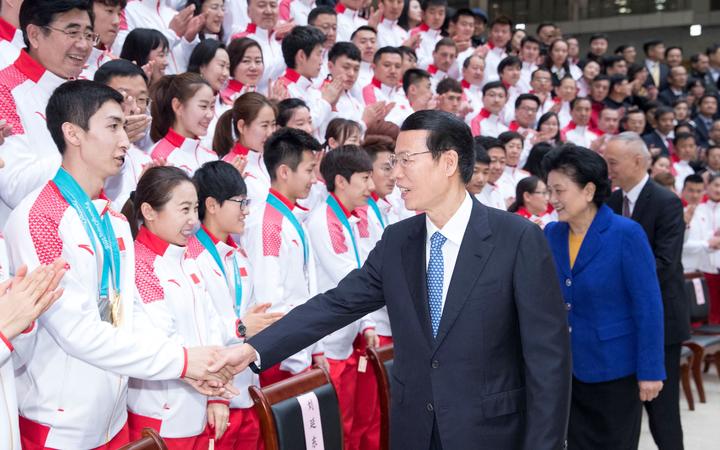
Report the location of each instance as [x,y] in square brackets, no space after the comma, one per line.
[592,243]
[562,251]
[413,258]
[642,201]
[474,253]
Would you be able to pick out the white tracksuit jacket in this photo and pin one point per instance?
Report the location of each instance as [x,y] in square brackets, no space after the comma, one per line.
[185,153]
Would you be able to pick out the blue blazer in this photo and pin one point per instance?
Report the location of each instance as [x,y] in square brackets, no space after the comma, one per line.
[613,300]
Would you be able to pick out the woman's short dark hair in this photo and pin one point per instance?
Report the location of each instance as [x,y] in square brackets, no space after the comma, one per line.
[203,54]
[446,132]
[535,158]
[140,42]
[286,109]
[219,180]
[582,166]
[236,50]
[547,116]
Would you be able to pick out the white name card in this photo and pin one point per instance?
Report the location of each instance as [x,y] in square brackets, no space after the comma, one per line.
[310,408]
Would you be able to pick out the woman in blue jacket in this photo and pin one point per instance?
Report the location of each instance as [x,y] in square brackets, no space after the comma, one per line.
[607,274]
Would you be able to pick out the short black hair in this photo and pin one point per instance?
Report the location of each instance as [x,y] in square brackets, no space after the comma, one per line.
[509,61]
[522,97]
[596,36]
[577,100]
[286,146]
[501,20]
[543,25]
[535,157]
[412,76]
[42,13]
[387,50]
[539,69]
[462,12]
[76,102]
[425,4]
[445,132]
[468,61]
[219,180]
[481,155]
[286,108]
[445,42]
[319,11]
[140,42]
[407,51]
[203,54]
[347,49]
[621,48]
[610,60]
[683,137]
[582,166]
[651,43]
[449,85]
[345,161]
[489,142]
[617,79]
[118,68]
[662,110]
[600,77]
[301,38]
[693,178]
[530,39]
[363,28]
[493,85]
[672,47]
[507,136]
[712,48]
[121,3]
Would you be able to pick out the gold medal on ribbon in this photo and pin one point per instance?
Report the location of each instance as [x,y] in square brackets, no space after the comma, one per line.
[116,312]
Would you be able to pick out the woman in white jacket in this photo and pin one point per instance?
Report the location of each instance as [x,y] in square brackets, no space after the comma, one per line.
[172,293]
[223,207]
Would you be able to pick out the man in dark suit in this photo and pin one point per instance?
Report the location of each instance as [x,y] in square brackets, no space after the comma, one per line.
[482,357]
[658,138]
[676,88]
[657,69]
[660,213]
[704,119]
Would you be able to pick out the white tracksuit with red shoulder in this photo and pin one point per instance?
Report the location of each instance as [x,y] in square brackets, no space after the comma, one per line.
[334,255]
[173,295]
[9,434]
[11,42]
[185,153]
[257,179]
[275,250]
[301,87]
[72,373]
[222,293]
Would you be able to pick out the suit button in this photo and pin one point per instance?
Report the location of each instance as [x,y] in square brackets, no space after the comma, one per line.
[429,407]
[435,364]
[568,306]
[570,329]
[568,282]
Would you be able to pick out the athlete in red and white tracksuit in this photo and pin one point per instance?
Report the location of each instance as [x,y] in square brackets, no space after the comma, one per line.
[11,42]
[72,373]
[243,432]
[186,153]
[173,296]
[283,278]
[9,434]
[334,249]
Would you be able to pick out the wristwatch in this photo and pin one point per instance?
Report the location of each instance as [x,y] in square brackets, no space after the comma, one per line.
[241,329]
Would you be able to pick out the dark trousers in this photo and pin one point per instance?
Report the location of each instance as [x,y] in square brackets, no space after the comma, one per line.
[605,416]
[664,411]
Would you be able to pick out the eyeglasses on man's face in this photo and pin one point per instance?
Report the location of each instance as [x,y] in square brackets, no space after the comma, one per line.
[77,34]
[403,158]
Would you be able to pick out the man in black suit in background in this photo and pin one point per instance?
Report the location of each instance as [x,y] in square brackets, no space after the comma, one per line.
[482,355]
[660,213]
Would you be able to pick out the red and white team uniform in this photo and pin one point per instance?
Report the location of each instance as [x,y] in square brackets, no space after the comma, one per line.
[119,187]
[428,39]
[301,87]
[509,179]
[336,251]
[492,61]
[318,194]
[436,75]
[256,176]
[398,210]
[11,42]
[271,50]
[157,15]
[529,134]
[231,304]
[545,218]
[31,156]
[564,116]
[348,20]
[82,404]
[172,293]
[455,70]
[233,90]
[97,58]
[508,112]
[297,10]
[381,92]
[236,19]
[10,436]
[185,153]
[389,33]
[697,253]
[545,106]
[492,196]
[681,170]
[578,135]
[220,107]
[526,72]
[285,277]
[486,123]
[472,94]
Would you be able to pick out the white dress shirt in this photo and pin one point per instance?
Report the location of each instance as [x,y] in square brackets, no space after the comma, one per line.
[634,193]
[454,231]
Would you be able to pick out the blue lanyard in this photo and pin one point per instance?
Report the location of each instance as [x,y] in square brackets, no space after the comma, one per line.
[285,211]
[341,216]
[94,226]
[376,209]
[207,242]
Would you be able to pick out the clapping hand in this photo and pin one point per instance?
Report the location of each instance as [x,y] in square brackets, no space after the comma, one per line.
[5,130]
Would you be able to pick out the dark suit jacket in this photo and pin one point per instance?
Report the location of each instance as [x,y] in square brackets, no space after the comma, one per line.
[664,71]
[668,97]
[702,132]
[652,139]
[660,213]
[498,374]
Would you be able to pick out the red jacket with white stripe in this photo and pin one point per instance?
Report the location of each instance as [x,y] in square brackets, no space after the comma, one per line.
[334,258]
[282,278]
[72,373]
[173,295]
[31,156]
[185,153]
[487,124]
[428,39]
[222,294]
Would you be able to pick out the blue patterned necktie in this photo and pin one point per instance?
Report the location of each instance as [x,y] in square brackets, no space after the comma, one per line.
[435,274]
